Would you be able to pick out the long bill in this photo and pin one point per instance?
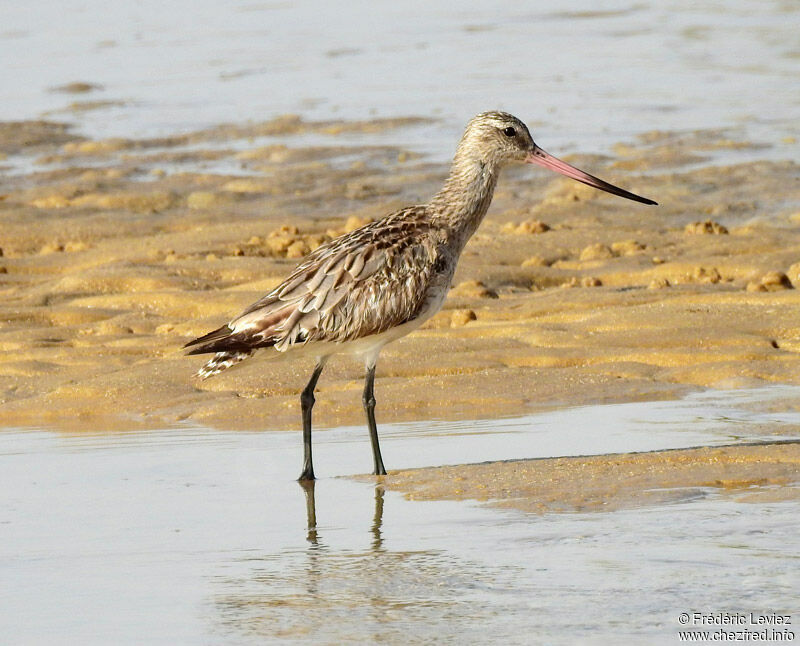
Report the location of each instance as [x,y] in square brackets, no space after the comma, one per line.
[542,158]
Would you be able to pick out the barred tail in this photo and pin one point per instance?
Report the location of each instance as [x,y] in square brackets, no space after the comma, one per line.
[222,361]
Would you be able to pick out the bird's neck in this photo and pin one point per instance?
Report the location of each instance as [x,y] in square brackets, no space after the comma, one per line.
[465,196]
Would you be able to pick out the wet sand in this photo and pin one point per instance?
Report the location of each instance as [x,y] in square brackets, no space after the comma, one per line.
[610,482]
[116,252]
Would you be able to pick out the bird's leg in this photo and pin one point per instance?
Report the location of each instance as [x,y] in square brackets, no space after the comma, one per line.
[369,407]
[306,404]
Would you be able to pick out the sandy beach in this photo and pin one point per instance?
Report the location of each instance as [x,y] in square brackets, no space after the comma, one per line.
[113,258]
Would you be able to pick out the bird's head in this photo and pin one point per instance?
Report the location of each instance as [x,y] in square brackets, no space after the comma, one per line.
[499,138]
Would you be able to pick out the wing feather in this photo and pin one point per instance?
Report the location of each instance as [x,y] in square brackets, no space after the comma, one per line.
[363,283]
[357,265]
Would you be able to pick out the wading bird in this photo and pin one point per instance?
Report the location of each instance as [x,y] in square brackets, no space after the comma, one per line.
[369,287]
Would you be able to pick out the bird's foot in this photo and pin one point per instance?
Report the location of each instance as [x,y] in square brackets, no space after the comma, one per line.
[307,476]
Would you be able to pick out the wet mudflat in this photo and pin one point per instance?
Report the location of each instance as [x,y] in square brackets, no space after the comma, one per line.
[193,535]
[117,252]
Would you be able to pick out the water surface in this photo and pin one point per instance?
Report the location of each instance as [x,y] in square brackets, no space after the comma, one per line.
[583,78]
[198,536]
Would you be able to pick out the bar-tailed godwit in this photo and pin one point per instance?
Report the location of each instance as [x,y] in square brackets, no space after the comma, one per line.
[369,287]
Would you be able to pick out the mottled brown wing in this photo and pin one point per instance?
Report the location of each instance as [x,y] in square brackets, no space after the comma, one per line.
[362,283]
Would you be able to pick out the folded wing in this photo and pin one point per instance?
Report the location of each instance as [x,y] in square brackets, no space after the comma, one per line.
[363,283]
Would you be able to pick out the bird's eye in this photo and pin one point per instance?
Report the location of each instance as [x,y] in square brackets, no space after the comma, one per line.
[509,132]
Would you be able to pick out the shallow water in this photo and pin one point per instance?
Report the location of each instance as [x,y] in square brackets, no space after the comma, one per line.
[200,536]
[583,78]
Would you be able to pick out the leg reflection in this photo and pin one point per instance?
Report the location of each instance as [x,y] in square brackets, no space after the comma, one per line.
[312,536]
[311,511]
[377,520]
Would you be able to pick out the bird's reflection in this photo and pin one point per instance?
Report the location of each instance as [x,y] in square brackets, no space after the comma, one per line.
[312,534]
[311,510]
[377,520]
[335,590]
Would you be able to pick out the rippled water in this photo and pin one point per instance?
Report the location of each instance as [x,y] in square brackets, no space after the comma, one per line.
[584,77]
[197,536]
